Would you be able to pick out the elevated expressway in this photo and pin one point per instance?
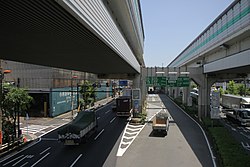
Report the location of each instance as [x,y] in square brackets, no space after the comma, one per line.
[221,52]
[104,37]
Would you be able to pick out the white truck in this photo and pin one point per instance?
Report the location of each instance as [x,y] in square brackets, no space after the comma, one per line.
[233,101]
[84,124]
[161,122]
[239,116]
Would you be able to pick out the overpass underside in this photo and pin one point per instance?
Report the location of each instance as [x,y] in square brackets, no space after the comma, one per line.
[43,32]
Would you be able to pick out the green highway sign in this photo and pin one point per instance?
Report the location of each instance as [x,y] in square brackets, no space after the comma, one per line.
[182,81]
[156,81]
[171,83]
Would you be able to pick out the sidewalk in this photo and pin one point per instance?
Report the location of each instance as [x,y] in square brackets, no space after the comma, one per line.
[47,125]
[59,120]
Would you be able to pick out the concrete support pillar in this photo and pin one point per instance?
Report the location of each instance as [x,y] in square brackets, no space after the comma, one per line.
[204,96]
[204,83]
[136,81]
[185,94]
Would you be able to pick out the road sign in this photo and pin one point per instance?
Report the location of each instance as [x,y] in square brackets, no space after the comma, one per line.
[183,82]
[171,83]
[136,94]
[215,104]
[161,81]
[156,81]
[149,81]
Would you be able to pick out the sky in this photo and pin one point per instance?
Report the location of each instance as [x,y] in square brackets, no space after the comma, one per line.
[171,25]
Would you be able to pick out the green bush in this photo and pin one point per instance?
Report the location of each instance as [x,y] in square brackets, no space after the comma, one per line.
[230,151]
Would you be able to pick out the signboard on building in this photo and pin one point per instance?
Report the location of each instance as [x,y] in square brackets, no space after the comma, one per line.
[123,83]
[61,100]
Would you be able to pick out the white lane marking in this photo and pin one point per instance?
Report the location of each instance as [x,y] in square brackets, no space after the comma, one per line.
[24,164]
[12,160]
[45,150]
[99,134]
[39,139]
[40,159]
[76,160]
[112,120]
[98,117]
[30,156]
[107,111]
[121,150]
[19,161]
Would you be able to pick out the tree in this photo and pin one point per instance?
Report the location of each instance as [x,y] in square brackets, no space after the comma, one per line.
[231,88]
[241,89]
[15,101]
[87,91]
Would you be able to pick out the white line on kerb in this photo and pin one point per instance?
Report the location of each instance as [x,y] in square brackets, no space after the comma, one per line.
[76,160]
[204,134]
[99,134]
[112,120]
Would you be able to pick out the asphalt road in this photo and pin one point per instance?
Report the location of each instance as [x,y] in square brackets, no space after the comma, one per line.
[184,145]
[49,152]
[240,133]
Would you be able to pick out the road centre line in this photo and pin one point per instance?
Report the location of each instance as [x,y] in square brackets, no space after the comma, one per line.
[99,134]
[45,150]
[112,120]
[12,160]
[40,159]
[76,160]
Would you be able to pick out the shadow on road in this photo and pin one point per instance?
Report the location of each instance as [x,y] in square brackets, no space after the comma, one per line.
[190,131]
[158,134]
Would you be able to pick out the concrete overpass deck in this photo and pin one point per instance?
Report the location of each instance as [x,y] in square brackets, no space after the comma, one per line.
[78,35]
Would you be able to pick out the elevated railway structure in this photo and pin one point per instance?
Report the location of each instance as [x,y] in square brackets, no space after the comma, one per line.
[221,52]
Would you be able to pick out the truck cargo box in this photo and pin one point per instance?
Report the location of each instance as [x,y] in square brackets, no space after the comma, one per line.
[76,130]
[123,106]
[160,122]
